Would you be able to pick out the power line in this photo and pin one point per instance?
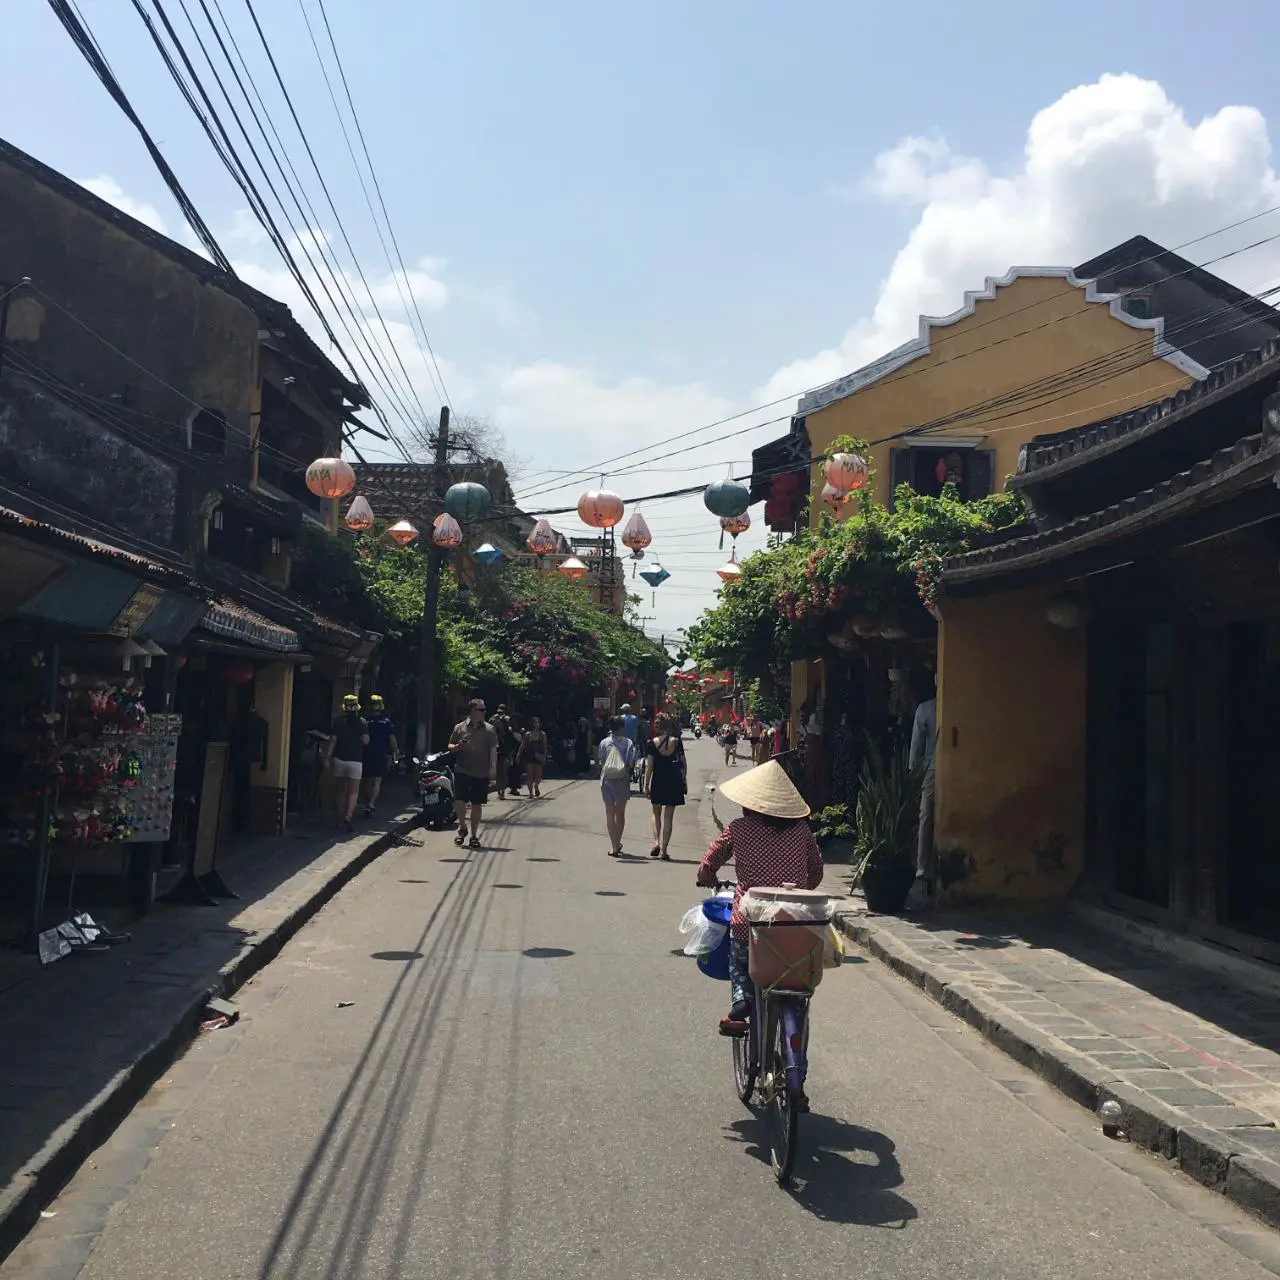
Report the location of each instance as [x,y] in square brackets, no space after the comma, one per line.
[377,186]
[938,341]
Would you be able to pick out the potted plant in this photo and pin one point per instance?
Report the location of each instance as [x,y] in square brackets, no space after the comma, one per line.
[835,833]
[887,818]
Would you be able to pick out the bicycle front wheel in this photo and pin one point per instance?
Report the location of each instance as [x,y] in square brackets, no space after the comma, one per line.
[783,1108]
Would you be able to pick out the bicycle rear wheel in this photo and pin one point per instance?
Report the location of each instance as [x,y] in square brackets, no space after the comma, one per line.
[782,1108]
[745,1066]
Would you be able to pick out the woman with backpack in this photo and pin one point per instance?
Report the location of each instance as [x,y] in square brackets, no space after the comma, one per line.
[664,781]
[616,755]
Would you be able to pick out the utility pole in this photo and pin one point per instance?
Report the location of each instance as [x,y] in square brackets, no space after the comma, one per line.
[431,597]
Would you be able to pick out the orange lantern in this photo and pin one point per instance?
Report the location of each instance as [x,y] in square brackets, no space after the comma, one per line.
[402,532]
[636,536]
[330,478]
[600,509]
[573,568]
[731,572]
[446,532]
[542,539]
[846,472]
[359,515]
[734,525]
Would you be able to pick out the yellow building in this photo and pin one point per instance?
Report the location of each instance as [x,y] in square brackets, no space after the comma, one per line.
[1015,373]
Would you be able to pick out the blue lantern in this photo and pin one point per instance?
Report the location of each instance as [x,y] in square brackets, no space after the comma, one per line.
[655,575]
[726,498]
[467,502]
[487,554]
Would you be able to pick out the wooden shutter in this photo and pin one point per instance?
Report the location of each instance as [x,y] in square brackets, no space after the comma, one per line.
[982,473]
[899,470]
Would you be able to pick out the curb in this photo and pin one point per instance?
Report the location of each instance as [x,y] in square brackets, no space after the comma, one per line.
[71,1144]
[1211,1156]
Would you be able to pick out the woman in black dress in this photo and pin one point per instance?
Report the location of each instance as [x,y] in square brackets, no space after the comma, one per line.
[664,781]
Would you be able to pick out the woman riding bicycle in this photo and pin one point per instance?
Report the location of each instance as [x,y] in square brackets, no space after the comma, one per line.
[771,844]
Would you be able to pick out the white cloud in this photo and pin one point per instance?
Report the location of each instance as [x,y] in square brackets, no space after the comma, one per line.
[108,189]
[1106,161]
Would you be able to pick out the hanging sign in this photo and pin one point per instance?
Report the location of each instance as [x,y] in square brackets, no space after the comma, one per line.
[137,611]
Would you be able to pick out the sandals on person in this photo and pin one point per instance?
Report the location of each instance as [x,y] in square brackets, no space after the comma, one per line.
[461,836]
[475,842]
[664,856]
[655,851]
[615,853]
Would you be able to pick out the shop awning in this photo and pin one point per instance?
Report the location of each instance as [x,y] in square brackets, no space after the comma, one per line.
[234,622]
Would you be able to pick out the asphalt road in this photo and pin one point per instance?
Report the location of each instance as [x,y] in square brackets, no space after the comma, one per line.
[527,1083]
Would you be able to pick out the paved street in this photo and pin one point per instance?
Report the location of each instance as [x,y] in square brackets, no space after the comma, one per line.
[527,1083]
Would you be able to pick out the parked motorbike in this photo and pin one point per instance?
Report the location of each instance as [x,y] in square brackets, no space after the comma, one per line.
[435,789]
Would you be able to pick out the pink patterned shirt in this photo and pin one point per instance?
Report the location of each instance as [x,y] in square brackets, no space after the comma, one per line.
[763,855]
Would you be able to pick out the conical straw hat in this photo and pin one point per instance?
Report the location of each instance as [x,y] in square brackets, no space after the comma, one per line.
[766,789]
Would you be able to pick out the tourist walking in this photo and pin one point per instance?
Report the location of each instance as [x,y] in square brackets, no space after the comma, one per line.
[533,755]
[617,756]
[582,747]
[344,757]
[378,753]
[501,723]
[476,752]
[729,739]
[665,781]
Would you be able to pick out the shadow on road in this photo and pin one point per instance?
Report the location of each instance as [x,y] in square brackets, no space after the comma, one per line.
[844,1173]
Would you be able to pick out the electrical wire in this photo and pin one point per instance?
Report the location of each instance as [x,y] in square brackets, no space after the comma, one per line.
[377,186]
[293,185]
[902,375]
[217,133]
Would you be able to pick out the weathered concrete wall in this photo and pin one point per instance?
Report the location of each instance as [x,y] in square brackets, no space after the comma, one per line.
[1010,762]
[55,449]
[195,337]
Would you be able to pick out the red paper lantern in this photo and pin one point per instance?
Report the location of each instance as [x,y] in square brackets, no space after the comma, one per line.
[734,525]
[330,478]
[239,673]
[600,509]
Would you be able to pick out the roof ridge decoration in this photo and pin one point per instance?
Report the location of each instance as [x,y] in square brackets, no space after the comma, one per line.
[841,388]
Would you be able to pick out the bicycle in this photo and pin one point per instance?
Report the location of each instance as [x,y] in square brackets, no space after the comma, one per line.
[771,1061]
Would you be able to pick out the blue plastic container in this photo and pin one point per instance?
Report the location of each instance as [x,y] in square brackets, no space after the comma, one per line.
[715,963]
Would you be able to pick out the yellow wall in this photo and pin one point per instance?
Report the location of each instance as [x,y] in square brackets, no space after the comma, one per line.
[1009,808]
[1033,329]
[273,701]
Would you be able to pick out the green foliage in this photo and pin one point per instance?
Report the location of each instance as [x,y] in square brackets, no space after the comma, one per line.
[521,631]
[887,813]
[876,564]
[835,822]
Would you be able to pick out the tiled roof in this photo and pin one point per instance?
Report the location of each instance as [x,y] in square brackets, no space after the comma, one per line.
[1183,490]
[1054,454]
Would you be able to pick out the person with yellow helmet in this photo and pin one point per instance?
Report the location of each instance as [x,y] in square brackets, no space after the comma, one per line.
[379,752]
[348,737]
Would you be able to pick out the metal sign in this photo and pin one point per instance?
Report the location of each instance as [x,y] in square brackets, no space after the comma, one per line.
[137,611]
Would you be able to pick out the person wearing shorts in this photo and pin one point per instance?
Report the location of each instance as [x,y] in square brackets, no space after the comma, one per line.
[348,738]
[377,755]
[475,745]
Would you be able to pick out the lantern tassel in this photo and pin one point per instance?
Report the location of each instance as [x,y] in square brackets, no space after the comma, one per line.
[722,538]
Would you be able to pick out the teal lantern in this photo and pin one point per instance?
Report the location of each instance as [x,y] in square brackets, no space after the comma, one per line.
[487,554]
[726,498]
[655,575]
[467,502]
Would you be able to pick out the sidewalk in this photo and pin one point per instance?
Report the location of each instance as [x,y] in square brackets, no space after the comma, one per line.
[1190,1056]
[85,1037]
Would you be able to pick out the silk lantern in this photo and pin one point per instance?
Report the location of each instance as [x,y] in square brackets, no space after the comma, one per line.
[330,478]
[542,540]
[846,472]
[572,568]
[402,532]
[467,502]
[726,498]
[359,515]
[446,532]
[600,509]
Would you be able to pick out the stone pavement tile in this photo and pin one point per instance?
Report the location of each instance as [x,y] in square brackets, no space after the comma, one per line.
[1124,1060]
[1226,1117]
[1186,1095]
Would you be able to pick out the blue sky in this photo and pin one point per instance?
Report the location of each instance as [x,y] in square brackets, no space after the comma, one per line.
[633,220]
